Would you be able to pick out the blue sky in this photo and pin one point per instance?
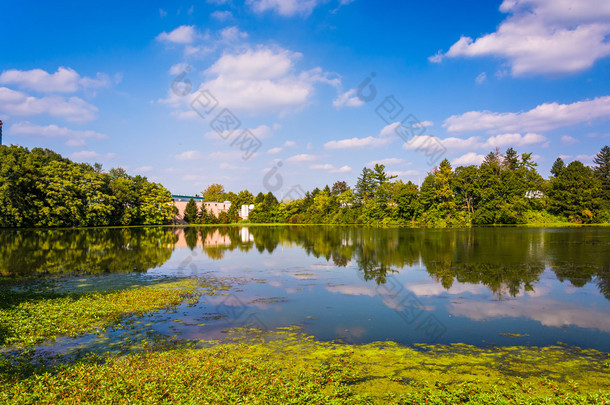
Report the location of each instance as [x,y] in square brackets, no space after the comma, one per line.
[116,83]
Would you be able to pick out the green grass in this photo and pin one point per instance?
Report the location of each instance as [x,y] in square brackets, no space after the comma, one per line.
[30,317]
[285,367]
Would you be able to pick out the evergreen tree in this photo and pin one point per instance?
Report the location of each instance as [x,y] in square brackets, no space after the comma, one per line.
[602,160]
[557,167]
[190,212]
[365,187]
[575,193]
[511,160]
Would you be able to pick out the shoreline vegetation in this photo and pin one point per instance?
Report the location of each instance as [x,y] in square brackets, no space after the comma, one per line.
[284,365]
[42,189]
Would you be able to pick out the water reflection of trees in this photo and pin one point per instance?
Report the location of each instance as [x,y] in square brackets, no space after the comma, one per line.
[507,260]
[87,251]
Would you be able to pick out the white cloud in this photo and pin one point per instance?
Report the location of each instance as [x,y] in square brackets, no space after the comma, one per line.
[302,158]
[544,36]
[480,79]
[89,155]
[286,8]
[143,169]
[348,99]
[401,173]
[184,34]
[289,144]
[470,158]
[73,109]
[263,79]
[221,15]
[342,169]
[544,117]
[84,154]
[325,166]
[74,137]
[358,143]
[475,142]
[386,162]
[162,12]
[231,34]
[65,80]
[274,151]
[568,140]
[386,136]
[331,168]
[189,155]
[515,140]
[179,68]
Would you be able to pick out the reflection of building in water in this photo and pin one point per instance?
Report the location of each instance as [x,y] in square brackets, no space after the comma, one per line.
[213,239]
[246,236]
[216,239]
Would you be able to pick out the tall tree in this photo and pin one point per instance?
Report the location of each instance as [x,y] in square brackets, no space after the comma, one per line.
[338,188]
[365,187]
[191,212]
[214,192]
[575,193]
[558,167]
[602,170]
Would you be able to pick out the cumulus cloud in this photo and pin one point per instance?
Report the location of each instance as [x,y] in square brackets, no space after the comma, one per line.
[222,15]
[331,168]
[274,151]
[568,140]
[544,117]
[543,36]
[475,142]
[231,34]
[385,137]
[90,155]
[74,137]
[286,8]
[72,109]
[470,158]
[189,155]
[302,158]
[401,173]
[65,80]
[184,34]
[386,162]
[263,79]
[348,99]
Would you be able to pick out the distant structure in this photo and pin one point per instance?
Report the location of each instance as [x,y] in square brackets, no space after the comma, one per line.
[245,210]
[213,207]
[0,132]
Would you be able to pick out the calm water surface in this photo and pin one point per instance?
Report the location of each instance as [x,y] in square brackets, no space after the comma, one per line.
[484,286]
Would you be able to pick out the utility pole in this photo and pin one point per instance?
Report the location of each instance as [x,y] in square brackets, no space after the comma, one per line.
[0,132]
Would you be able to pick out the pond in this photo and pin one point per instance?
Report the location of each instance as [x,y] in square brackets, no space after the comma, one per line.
[480,286]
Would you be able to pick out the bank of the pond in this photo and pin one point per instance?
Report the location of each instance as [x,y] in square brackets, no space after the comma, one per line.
[283,366]
[287,367]
[30,314]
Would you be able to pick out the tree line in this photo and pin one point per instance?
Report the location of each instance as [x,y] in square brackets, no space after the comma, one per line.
[40,188]
[505,189]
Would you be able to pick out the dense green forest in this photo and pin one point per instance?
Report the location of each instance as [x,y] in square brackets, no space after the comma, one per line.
[40,188]
[505,189]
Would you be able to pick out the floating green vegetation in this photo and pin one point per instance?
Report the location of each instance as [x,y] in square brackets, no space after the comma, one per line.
[288,367]
[30,316]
